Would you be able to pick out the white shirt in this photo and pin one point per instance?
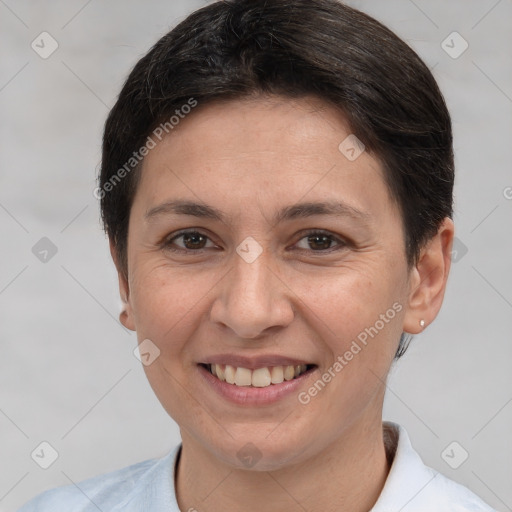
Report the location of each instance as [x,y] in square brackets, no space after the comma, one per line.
[149,486]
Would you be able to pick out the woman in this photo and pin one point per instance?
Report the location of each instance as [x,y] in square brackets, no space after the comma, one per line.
[276,186]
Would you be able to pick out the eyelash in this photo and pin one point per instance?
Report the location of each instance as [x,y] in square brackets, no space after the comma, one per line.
[167,243]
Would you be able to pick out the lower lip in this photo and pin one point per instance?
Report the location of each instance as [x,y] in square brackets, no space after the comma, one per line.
[248,395]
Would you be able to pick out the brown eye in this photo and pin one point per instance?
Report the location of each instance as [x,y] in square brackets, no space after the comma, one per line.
[319,241]
[191,240]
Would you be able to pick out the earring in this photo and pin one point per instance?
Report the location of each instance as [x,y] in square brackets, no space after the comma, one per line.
[422,323]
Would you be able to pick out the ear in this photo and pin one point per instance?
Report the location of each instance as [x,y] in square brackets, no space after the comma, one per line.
[428,279]
[126,315]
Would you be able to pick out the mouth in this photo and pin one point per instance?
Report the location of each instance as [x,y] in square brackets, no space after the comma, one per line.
[268,376]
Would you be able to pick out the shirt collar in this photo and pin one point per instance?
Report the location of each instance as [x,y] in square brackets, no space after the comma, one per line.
[408,476]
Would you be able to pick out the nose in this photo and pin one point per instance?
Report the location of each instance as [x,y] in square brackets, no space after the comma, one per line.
[253,301]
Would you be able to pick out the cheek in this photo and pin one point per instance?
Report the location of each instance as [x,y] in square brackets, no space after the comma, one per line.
[348,300]
[359,316]
[166,300]
[166,303]
[360,319]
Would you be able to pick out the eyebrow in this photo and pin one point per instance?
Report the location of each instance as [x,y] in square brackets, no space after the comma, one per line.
[295,211]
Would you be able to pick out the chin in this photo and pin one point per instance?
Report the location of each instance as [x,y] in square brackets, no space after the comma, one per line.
[255,453]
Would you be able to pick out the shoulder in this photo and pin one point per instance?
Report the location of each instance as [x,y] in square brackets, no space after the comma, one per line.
[111,490]
[412,486]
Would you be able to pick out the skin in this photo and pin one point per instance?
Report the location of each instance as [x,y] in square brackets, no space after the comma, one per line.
[249,159]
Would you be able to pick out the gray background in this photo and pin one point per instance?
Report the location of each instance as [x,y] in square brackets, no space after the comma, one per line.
[68,375]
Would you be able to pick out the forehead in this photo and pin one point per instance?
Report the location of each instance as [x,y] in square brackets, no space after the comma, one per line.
[279,149]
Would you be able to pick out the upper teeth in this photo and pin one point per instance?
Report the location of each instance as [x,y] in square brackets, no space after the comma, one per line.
[259,378]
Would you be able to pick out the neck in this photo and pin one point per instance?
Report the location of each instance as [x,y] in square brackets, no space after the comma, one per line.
[348,475]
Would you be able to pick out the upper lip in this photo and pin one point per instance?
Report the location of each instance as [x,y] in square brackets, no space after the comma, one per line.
[253,363]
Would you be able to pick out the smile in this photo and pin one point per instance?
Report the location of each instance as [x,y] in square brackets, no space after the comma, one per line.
[258,378]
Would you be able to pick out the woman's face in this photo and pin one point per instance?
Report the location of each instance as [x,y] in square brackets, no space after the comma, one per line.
[277,280]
